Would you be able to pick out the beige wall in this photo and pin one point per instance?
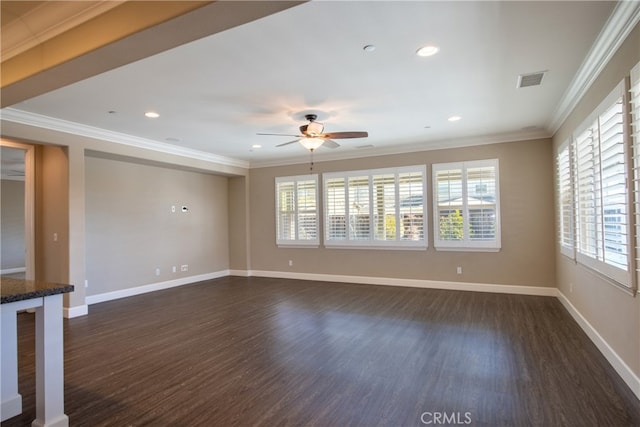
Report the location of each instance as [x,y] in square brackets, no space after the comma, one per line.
[238,225]
[614,314]
[76,148]
[526,194]
[52,214]
[12,245]
[131,230]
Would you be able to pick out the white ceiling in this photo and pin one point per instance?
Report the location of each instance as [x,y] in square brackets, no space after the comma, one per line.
[213,95]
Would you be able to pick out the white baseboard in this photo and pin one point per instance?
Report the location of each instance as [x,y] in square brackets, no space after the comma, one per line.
[76,311]
[241,273]
[109,296]
[10,406]
[414,283]
[629,377]
[13,270]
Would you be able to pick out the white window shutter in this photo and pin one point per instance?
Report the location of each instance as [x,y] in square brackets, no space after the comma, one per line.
[297,211]
[564,191]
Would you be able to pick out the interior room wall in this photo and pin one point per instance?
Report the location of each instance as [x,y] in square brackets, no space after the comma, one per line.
[238,224]
[612,313]
[52,214]
[133,238]
[526,195]
[12,244]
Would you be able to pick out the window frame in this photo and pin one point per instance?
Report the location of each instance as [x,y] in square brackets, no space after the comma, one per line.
[296,212]
[371,242]
[466,244]
[598,262]
[634,131]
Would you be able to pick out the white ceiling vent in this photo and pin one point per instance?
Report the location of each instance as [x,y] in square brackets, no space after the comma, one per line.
[532,79]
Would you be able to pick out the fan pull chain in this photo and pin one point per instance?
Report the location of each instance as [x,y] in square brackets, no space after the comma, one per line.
[311,165]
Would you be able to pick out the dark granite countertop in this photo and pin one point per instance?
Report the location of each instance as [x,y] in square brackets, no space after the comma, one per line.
[12,290]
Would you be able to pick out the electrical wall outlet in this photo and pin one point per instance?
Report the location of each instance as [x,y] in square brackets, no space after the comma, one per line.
[184,267]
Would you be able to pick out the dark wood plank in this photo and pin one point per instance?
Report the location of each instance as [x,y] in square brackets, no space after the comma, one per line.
[256,351]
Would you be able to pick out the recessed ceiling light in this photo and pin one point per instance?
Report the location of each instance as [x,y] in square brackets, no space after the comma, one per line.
[427,50]
[152,114]
[454,118]
[369,48]
[256,146]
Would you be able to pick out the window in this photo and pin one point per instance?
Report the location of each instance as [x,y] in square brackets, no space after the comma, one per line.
[635,132]
[375,208]
[466,205]
[601,192]
[564,191]
[296,210]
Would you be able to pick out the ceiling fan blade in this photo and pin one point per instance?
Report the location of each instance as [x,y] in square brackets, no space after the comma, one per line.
[343,135]
[330,144]
[280,134]
[287,143]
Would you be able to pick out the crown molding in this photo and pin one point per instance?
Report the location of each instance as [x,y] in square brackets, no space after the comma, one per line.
[440,144]
[46,122]
[37,120]
[621,22]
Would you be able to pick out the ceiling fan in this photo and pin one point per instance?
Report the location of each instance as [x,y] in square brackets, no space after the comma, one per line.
[312,137]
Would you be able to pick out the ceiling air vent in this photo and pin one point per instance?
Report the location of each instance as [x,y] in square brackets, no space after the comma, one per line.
[532,79]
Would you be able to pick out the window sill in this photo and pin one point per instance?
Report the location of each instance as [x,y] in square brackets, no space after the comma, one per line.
[629,290]
[298,245]
[466,249]
[376,247]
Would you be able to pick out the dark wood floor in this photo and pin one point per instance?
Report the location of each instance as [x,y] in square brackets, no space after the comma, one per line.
[271,352]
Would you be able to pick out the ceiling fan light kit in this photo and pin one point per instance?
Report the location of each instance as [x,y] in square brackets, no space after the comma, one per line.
[311,144]
[312,137]
[314,128]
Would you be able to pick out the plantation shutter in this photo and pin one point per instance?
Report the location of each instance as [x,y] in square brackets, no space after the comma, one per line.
[449,203]
[296,210]
[602,218]
[615,245]
[634,94]
[335,209]
[565,200]
[359,209]
[384,203]
[588,192]
[307,210]
[466,205]
[375,208]
[410,205]
[481,202]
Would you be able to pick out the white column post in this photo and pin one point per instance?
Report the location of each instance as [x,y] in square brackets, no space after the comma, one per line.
[50,364]
[11,399]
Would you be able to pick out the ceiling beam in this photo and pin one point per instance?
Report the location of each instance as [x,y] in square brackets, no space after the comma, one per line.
[127,33]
